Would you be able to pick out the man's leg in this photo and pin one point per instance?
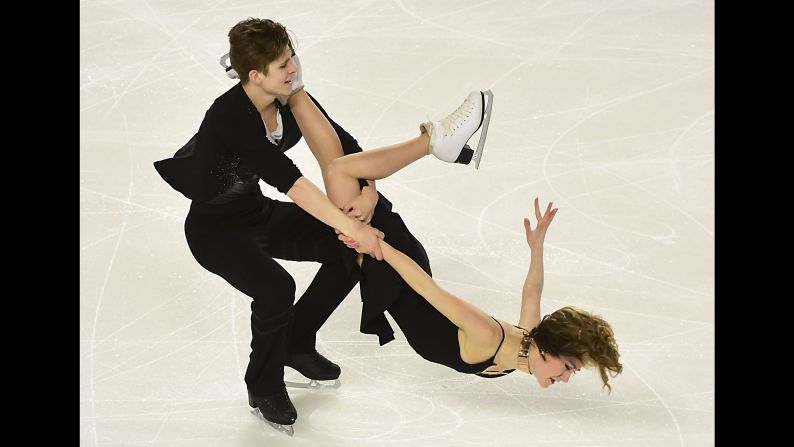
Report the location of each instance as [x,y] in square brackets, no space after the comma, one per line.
[331,284]
[295,235]
[238,257]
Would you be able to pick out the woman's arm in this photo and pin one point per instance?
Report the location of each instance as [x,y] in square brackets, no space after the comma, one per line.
[533,288]
[461,313]
[533,284]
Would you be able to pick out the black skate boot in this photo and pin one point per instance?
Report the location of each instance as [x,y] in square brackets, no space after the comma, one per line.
[315,367]
[276,410]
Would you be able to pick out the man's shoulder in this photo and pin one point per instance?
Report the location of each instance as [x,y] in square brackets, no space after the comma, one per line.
[230,107]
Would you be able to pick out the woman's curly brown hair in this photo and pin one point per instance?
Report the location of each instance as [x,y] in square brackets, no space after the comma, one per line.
[574,332]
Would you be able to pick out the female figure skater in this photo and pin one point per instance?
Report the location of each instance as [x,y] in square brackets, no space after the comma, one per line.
[448,330]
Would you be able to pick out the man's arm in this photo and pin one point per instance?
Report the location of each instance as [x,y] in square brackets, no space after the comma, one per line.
[307,196]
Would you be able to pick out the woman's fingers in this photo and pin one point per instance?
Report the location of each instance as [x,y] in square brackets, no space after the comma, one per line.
[537,210]
[527,225]
[551,215]
[543,219]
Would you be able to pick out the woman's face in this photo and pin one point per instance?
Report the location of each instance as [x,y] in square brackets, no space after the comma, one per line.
[280,74]
[549,369]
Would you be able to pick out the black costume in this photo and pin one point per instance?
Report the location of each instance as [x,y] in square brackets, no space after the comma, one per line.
[235,232]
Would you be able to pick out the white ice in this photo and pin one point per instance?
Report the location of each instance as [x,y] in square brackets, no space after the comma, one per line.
[605,107]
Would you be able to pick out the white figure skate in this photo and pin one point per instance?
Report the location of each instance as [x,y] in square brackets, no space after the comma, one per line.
[448,136]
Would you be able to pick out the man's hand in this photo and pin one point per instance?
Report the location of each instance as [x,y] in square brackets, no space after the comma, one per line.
[363,206]
[349,242]
[364,240]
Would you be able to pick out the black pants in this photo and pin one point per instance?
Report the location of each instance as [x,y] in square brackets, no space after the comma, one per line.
[238,241]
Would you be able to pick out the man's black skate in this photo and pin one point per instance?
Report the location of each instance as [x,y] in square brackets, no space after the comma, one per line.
[313,366]
[276,409]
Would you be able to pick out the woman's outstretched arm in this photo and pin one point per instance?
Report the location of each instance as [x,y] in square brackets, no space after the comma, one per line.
[341,173]
[533,284]
[466,316]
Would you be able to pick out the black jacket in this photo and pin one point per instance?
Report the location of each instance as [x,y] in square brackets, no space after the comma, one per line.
[233,136]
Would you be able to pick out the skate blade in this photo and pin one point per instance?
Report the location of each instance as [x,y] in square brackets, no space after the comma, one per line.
[314,384]
[286,429]
[486,121]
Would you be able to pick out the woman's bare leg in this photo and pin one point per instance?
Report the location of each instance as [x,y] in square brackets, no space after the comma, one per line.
[341,173]
[324,144]
[375,164]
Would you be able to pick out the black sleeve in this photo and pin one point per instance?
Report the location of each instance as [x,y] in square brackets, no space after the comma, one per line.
[349,144]
[244,133]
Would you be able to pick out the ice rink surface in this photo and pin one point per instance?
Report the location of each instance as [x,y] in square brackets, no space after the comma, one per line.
[605,108]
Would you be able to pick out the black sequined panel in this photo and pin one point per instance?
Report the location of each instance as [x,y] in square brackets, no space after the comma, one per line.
[225,172]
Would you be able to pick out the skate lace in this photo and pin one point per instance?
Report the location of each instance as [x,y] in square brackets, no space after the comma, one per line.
[456,119]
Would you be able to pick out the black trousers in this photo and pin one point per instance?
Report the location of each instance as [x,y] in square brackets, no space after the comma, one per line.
[238,241]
